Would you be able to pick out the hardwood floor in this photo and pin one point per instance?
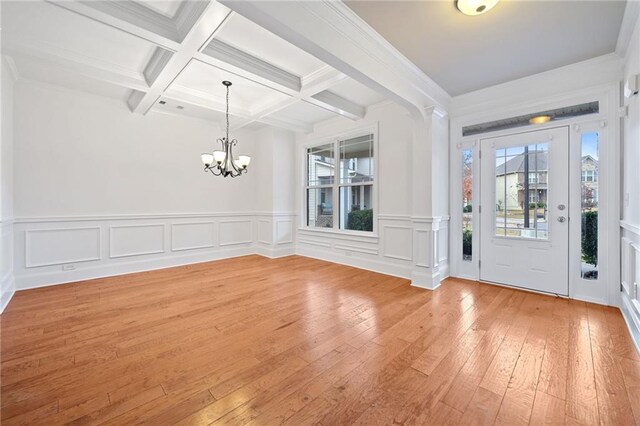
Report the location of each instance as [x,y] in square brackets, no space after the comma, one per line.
[300,341]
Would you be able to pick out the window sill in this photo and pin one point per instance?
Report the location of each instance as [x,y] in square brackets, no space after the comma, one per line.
[368,236]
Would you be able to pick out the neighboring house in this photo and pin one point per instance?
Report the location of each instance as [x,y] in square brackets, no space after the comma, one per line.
[510,184]
[589,181]
[320,201]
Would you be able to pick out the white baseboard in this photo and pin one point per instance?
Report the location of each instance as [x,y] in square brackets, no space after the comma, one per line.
[632,320]
[374,265]
[7,290]
[275,252]
[44,279]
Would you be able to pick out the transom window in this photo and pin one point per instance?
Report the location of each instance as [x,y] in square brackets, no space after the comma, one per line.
[350,187]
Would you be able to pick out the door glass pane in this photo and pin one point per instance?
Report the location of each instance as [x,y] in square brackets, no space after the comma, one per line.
[320,207]
[589,198]
[522,191]
[320,165]
[467,204]
[356,212]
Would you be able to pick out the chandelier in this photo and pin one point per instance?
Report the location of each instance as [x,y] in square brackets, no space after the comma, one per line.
[222,163]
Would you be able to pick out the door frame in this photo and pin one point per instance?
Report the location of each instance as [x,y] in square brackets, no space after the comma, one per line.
[555,230]
[605,290]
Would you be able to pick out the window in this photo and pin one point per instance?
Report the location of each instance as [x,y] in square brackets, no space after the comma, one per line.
[467,204]
[589,205]
[520,209]
[350,187]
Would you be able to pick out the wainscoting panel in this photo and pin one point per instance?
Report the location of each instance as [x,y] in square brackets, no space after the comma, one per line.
[7,283]
[192,235]
[398,242]
[58,250]
[265,234]
[136,240]
[284,231]
[630,279]
[235,232]
[57,246]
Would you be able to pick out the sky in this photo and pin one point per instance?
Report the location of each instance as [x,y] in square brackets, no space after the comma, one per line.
[590,144]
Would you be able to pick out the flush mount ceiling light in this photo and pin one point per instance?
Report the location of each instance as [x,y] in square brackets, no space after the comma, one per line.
[539,119]
[222,163]
[475,7]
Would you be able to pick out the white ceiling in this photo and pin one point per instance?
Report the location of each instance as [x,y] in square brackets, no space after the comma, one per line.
[124,52]
[513,40]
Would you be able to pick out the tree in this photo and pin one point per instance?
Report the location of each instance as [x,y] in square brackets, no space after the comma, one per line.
[467,176]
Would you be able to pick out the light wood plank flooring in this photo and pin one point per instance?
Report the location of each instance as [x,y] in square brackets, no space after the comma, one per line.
[300,341]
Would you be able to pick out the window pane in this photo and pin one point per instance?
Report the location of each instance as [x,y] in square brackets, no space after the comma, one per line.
[356,210]
[467,204]
[356,159]
[589,199]
[321,164]
[320,207]
[521,191]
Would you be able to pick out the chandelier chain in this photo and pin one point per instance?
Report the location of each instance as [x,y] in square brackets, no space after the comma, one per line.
[227,113]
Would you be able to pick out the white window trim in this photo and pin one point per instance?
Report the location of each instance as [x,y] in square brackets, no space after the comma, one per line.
[334,139]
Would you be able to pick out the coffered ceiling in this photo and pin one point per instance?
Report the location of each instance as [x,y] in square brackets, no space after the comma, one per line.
[171,57]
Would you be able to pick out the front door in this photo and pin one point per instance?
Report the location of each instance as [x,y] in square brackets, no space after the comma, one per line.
[524,238]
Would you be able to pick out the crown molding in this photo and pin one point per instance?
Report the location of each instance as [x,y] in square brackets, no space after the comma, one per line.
[51,56]
[130,17]
[336,103]
[156,64]
[230,55]
[630,19]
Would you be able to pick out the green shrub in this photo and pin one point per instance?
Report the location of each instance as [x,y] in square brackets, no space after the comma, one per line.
[539,205]
[590,237]
[467,208]
[360,220]
[466,242]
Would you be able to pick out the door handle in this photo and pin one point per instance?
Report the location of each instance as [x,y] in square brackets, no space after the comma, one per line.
[562,219]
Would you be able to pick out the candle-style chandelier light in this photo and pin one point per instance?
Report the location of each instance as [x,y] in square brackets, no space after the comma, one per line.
[222,163]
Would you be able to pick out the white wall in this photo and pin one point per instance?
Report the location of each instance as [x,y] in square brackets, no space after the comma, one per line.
[100,191]
[630,223]
[79,155]
[7,285]
[396,247]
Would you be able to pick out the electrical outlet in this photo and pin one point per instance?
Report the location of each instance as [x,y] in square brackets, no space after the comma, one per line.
[68,267]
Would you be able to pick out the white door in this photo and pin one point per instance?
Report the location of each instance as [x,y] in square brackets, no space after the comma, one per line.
[524,235]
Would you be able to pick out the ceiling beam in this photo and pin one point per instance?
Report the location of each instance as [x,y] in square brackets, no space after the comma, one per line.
[228,55]
[335,34]
[335,103]
[131,17]
[312,84]
[203,29]
[50,56]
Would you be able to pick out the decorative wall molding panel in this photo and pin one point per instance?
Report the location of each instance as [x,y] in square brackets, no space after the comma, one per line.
[234,232]
[44,247]
[59,250]
[630,279]
[192,235]
[403,249]
[7,282]
[136,240]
